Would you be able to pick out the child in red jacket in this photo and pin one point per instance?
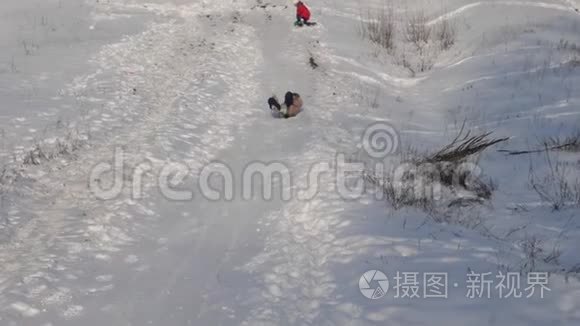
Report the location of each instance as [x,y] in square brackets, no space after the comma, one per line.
[302,13]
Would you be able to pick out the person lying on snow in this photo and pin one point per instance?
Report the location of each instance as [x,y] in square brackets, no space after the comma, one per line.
[302,13]
[292,105]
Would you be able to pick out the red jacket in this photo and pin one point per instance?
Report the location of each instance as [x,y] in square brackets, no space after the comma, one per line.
[302,11]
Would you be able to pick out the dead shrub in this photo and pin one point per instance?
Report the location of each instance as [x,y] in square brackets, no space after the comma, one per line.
[445,34]
[35,155]
[568,143]
[463,146]
[63,146]
[420,42]
[418,31]
[380,28]
[559,187]
[533,252]
[447,176]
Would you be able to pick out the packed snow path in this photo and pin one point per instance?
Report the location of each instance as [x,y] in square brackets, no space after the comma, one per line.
[201,80]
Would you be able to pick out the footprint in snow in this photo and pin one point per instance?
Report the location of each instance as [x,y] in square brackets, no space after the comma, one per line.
[25,309]
[104,278]
[73,311]
[131,259]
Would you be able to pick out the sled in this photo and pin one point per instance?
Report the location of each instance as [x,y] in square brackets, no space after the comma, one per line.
[277,111]
[305,24]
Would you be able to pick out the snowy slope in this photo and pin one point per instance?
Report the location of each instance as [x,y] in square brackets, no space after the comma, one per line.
[184,84]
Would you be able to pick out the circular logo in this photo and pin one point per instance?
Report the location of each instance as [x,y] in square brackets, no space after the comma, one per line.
[373,284]
[380,139]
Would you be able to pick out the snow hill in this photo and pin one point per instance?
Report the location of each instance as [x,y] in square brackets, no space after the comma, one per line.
[176,90]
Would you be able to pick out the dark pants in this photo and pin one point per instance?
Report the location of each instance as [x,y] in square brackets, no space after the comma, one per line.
[274,104]
[301,19]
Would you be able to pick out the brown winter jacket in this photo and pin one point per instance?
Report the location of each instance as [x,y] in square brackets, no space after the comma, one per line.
[296,106]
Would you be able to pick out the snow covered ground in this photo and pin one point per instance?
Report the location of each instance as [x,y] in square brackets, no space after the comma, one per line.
[169,94]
